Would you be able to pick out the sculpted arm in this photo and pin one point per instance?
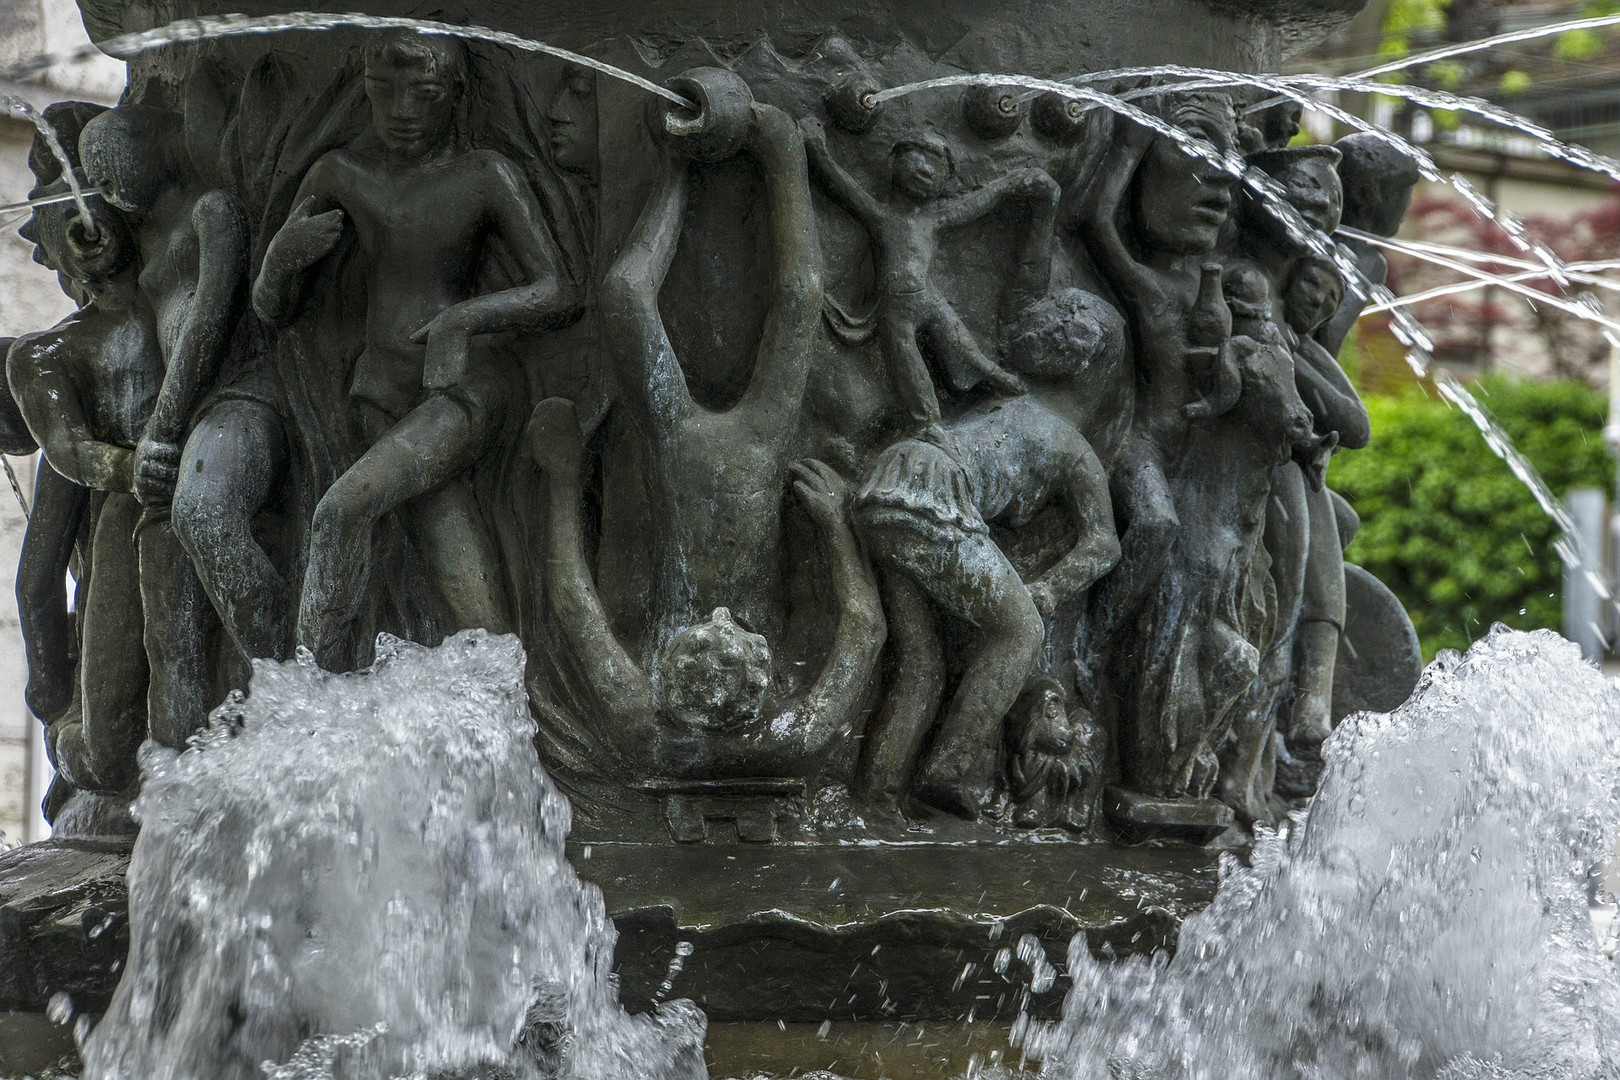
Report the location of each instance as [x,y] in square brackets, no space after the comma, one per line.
[1032,275]
[615,680]
[1084,496]
[650,375]
[1095,214]
[308,234]
[827,709]
[48,397]
[1033,184]
[775,393]
[841,187]
[545,302]
[193,359]
[1329,396]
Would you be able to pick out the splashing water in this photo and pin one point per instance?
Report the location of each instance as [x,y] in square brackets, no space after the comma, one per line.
[214,27]
[16,106]
[370,868]
[1426,918]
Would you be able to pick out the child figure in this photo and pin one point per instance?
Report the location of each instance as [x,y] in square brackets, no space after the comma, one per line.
[424,209]
[905,237]
[1055,760]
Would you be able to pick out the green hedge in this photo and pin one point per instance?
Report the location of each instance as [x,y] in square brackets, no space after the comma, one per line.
[1448,527]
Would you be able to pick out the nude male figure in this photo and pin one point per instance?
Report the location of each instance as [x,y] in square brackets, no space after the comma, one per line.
[423,209]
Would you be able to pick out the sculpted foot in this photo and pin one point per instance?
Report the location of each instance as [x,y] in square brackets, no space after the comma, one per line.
[952,794]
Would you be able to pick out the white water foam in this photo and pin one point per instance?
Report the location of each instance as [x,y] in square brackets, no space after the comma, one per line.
[363,875]
[1427,918]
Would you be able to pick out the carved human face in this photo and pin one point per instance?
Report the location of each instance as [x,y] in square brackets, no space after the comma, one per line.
[131,170]
[715,676]
[1314,189]
[920,172]
[1183,202]
[413,103]
[1313,294]
[572,116]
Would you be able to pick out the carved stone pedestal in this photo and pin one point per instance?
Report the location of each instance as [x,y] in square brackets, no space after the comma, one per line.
[881,932]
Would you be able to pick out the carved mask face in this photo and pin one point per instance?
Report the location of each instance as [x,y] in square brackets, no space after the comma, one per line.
[1183,202]
[572,117]
[715,676]
[71,249]
[413,103]
[920,171]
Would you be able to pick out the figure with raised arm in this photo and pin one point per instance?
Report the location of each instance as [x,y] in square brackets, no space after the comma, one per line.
[905,232]
[426,397]
[715,677]
[718,474]
[86,389]
[1151,217]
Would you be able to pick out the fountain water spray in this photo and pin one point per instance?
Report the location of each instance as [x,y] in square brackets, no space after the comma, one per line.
[1426,917]
[370,868]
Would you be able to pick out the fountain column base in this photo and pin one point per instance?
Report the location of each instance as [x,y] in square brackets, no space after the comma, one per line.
[873,933]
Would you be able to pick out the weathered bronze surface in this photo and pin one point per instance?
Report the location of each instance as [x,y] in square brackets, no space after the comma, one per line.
[874,484]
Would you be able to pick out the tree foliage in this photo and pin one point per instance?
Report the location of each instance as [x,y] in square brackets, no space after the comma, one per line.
[1448,527]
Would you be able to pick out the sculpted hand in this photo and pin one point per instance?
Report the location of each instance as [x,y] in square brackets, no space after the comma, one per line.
[815,134]
[1045,598]
[821,491]
[449,349]
[306,238]
[157,468]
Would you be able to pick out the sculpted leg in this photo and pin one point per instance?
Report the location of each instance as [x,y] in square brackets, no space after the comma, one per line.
[430,445]
[1316,647]
[180,623]
[42,604]
[462,554]
[972,579]
[894,741]
[1147,515]
[229,471]
[114,684]
[897,331]
[961,361]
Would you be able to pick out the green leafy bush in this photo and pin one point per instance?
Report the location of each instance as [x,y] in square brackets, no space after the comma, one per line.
[1448,527]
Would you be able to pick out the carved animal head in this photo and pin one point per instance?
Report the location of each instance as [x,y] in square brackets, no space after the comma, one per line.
[1039,722]
[415,83]
[1062,334]
[714,676]
[1269,405]
[921,166]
